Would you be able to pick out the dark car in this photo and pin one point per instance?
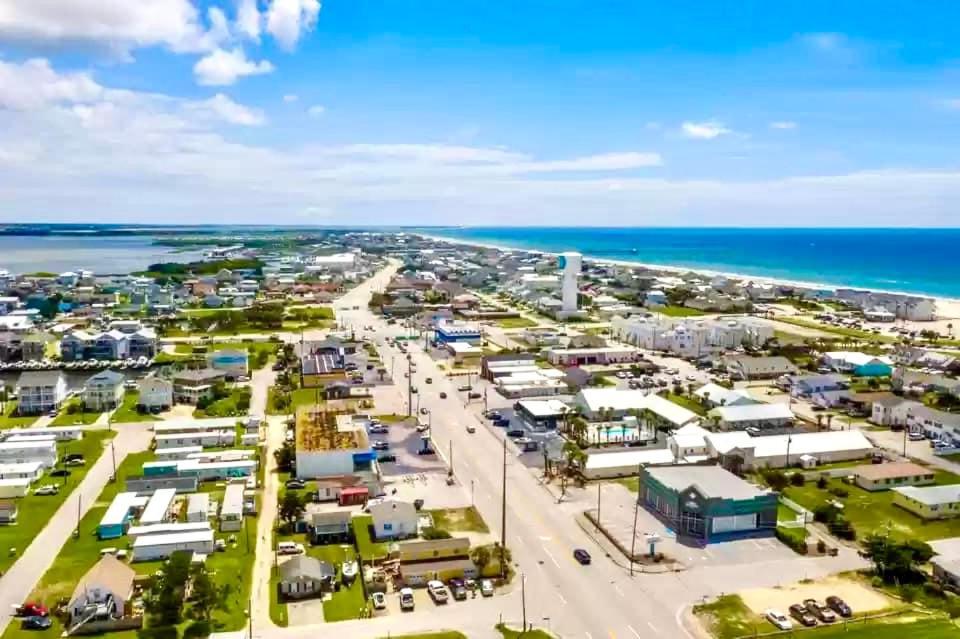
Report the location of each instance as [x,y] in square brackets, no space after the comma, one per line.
[823,613]
[457,589]
[389,457]
[800,613]
[501,422]
[443,395]
[295,484]
[429,380]
[426,451]
[36,623]
[278,366]
[60,472]
[474,396]
[516,432]
[582,556]
[839,606]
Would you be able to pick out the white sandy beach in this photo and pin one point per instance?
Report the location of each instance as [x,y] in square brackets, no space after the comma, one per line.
[948,309]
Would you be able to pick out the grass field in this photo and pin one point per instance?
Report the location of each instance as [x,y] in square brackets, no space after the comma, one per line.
[678,311]
[728,617]
[366,546]
[229,406]
[9,419]
[874,511]
[36,510]
[66,418]
[128,413]
[687,402]
[459,520]
[512,633]
[515,322]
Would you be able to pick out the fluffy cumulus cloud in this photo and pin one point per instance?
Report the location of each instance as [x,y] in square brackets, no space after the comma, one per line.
[708,130]
[222,67]
[287,20]
[217,34]
[73,149]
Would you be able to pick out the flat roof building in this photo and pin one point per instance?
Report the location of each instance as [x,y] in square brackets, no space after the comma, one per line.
[929,502]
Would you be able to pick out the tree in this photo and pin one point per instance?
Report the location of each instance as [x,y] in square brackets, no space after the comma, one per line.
[205,595]
[164,601]
[291,507]
[896,561]
[481,557]
[776,479]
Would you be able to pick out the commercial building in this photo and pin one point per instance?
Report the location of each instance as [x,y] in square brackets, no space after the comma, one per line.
[570,265]
[707,503]
[929,502]
[541,414]
[759,416]
[714,395]
[746,367]
[447,331]
[739,451]
[587,356]
[874,477]
[602,464]
[615,404]
[320,369]
[328,444]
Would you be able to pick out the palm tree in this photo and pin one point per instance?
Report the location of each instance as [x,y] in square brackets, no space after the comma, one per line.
[578,427]
[829,421]
[819,422]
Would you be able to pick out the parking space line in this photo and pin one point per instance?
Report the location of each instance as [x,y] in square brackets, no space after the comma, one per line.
[563,599]
[653,627]
[635,633]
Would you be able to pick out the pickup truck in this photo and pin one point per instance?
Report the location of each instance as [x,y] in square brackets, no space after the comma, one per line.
[438,592]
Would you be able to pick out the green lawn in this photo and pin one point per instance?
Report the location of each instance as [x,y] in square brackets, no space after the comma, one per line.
[232,567]
[459,520]
[128,413]
[728,617]
[687,402]
[9,419]
[36,510]
[512,633]
[678,311]
[630,483]
[784,513]
[367,547]
[874,511]
[229,406]
[66,418]
[299,397]
[515,322]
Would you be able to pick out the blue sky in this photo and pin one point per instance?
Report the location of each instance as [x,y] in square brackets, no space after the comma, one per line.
[426,112]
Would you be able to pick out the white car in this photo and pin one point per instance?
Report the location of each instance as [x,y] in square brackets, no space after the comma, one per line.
[471,428]
[289,548]
[486,588]
[379,601]
[406,599]
[437,591]
[778,619]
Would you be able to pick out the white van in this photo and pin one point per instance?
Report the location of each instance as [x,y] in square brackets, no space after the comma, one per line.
[406,599]
[289,548]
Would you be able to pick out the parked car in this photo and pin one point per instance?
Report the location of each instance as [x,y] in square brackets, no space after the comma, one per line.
[426,451]
[492,414]
[486,588]
[387,458]
[443,395]
[457,589]
[474,396]
[778,619]
[406,599]
[471,428]
[822,613]
[295,484]
[429,380]
[501,422]
[800,613]
[464,388]
[515,432]
[839,606]
[72,456]
[36,623]
[60,472]
[31,609]
[289,548]
[49,489]
[438,592]
[75,462]
[379,601]
[378,429]
[582,556]
[380,445]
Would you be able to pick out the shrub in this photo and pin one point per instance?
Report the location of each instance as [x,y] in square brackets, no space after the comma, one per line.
[909,593]
[821,546]
[434,533]
[933,589]
[842,528]
[793,538]
[197,630]
[822,482]
[798,480]
[839,492]
[953,607]
[776,479]
[825,513]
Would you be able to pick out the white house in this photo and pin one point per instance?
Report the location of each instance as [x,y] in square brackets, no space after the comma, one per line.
[393,519]
[716,395]
[103,592]
[753,416]
[103,391]
[40,391]
[155,394]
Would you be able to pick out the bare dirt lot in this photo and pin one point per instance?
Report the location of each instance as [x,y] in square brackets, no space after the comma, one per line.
[859,597]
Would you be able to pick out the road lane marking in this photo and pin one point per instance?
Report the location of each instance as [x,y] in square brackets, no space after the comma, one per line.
[653,627]
[550,555]
[563,599]
[635,633]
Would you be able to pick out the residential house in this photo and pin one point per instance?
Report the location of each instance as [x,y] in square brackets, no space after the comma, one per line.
[155,394]
[40,391]
[874,477]
[753,416]
[892,411]
[103,592]
[859,364]
[190,386]
[929,502]
[750,368]
[393,519]
[714,395]
[330,527]
[303,577]
[103,391]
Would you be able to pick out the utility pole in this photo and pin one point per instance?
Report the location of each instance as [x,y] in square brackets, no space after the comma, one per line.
[113,456]
[76,533]
[523,599]
[409,385]
[503,516]
[905,430]
[451,456]
[636,513]
[598,506]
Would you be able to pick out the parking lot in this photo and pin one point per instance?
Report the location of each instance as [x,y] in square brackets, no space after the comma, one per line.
[405,441]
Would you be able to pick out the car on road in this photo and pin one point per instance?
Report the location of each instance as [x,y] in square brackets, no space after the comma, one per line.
[414,390]
[492,414]
[691,378]
[381,445]
[822,613]
[429,380]
[295,484]
[474,395]
[443,395]
[49,489]
[778,619]
[464,388]
[471,428]
[422,428]
[582,556]
[426,451]
[379,601]
[438,592]
[621,375]
[406,599]
[36,623]
[289,548]
[486,588]
[800,613]
[378,429]
[424,411]
[916,436]
[388,458]
[839,606]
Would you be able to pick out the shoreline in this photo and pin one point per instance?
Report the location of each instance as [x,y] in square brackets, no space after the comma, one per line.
[942,302]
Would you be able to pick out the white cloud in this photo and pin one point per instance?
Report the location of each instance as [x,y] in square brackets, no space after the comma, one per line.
[222,67]
[34,84]
[290,98]
[287,20]
[316,110]
[704,130]
[222,107]
[249,19]
[121,25]
[783,125]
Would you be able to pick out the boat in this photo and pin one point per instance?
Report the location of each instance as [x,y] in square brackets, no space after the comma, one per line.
[349,571]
